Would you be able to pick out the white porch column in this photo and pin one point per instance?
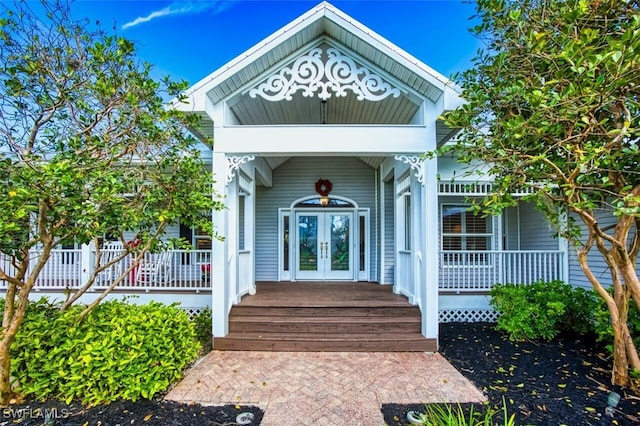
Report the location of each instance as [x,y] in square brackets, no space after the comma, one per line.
[430,240]
[563,245]
[219,276]
[418,241]
[399,239]
[381,228]
[233,246]
[249,232]
[87,261]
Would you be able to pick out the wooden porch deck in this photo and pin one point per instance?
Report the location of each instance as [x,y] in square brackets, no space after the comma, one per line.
[325,316]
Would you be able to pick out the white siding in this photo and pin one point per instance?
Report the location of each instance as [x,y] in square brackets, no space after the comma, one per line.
[241,222]
[595,259]
[535,232]
[389,234]
[173,231]
[295,179]
[511,222]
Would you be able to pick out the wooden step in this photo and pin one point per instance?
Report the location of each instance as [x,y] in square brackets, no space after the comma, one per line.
[323,324]
[348,317]
[323,342]
[327,311]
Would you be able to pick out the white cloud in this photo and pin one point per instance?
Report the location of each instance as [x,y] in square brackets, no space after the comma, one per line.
[182,8]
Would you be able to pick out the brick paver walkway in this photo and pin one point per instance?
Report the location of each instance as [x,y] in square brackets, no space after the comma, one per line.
[323,388]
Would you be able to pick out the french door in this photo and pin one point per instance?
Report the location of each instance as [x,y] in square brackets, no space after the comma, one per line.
[323,247]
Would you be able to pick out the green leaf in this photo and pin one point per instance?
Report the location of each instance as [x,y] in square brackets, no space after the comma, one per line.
[616,55]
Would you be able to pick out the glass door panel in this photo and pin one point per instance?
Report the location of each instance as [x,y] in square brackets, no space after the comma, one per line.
[308,243]
[340,244]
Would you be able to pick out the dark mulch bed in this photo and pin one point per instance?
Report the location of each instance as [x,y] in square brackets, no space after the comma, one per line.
[144,412]
[562,382]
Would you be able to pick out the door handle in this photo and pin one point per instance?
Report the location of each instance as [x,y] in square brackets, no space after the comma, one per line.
[324,246]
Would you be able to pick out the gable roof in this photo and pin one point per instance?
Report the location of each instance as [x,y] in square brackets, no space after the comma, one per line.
[322,21]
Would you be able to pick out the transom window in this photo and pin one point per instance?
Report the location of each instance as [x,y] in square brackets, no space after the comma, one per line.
[324,202]
[464,231]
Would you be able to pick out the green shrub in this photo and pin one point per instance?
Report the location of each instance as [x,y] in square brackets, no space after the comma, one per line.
[542,309]
[203,324]
[120,351]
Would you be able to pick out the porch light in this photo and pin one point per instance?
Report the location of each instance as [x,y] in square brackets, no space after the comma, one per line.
[323,111]
[324,201]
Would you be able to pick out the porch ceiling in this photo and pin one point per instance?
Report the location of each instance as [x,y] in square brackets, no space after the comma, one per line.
[373,161]
[275,162]
[444,132]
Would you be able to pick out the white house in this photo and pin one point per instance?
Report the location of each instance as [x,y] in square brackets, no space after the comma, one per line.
[318,133]
[318,139]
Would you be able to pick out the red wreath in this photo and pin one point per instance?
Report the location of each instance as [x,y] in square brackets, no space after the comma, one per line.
[323,187]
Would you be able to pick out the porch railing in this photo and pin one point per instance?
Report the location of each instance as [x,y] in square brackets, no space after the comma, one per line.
[404,273]
[178,270]
[63,270]
[245,272]
[480,270]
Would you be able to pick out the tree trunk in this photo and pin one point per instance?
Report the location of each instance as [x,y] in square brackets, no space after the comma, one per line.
[620,371]
[11,323]
[6,393]
[8,335]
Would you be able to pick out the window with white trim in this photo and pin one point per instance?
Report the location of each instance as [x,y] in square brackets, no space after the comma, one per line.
[199,240]
[466,232]
[407,220]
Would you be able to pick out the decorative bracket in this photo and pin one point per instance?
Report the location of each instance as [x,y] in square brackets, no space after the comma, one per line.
[312,75]
[415,161]
[234,162]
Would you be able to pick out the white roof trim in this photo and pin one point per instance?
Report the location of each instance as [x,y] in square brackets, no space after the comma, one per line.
[389,48]
[196,94]
[227,70]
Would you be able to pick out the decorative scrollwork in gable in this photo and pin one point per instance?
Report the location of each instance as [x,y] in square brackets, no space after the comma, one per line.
[312,75]
[415,161]
[234,162]
[343,74]
[304,74]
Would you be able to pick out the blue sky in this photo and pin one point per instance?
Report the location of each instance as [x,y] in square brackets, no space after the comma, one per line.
[190,39]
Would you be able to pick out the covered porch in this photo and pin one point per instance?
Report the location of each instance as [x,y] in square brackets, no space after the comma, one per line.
[279,229]
[419,243]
